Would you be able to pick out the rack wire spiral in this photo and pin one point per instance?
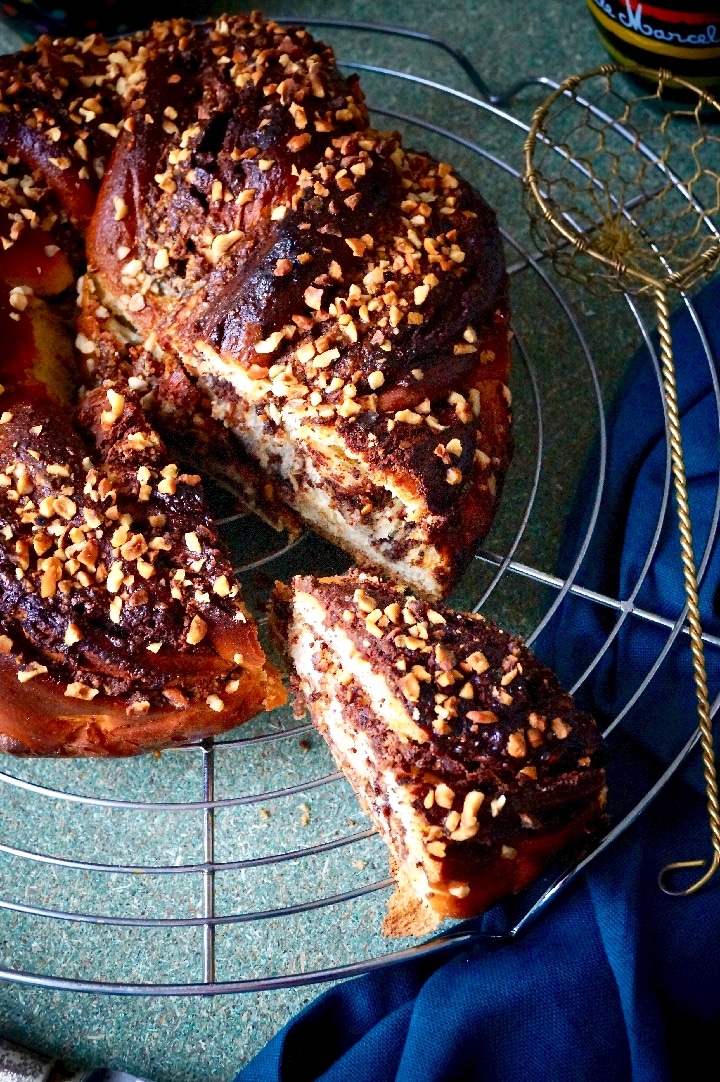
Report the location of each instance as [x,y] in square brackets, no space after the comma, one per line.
[243,863]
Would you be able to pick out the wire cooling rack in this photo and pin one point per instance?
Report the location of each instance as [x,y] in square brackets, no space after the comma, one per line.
[244,863]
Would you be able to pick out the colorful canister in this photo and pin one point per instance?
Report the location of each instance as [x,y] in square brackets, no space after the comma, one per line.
[681,37]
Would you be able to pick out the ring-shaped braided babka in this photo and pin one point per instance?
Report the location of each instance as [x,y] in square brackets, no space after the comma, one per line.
[269,288]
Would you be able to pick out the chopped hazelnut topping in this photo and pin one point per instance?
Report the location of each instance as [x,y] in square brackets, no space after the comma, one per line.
[444,795]
[193,542]
[356,245]
[516,745]
[444,657]
[313,297]
[560,728]
[363,601]
[84,344]
[65,507]
[471,806]
[197,631]
[134,548]
[117,404]
[393,613]
[215,703]
[409,417]
[223,243]
[115,578]
[19,297]
[324,359]
[476,662]
[269,345]
[73,634]
[5,644]
[51,577]
[305,352]
[31,671]
[410,687]
[459,890]
[221,586]
[78,690]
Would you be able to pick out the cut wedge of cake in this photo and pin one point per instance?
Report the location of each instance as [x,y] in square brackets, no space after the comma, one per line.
[464,750]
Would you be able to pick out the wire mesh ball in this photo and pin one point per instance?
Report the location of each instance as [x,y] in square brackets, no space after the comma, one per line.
[623,189]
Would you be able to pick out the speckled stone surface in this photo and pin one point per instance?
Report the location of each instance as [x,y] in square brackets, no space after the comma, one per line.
[187,1039]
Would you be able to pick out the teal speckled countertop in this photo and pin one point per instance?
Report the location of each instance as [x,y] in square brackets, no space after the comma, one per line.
[186,1039]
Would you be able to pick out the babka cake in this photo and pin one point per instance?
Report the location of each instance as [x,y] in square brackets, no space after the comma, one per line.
[464,750]
[269,289]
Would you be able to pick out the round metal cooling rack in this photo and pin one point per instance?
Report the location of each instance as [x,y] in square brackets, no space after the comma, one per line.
[244,863]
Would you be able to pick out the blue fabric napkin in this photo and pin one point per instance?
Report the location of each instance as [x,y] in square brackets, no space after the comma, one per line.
[617,982]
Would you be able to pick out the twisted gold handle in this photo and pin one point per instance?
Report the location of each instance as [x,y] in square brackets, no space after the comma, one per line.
[693,607]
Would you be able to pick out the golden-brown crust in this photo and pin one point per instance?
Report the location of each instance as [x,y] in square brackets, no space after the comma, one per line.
[38,719]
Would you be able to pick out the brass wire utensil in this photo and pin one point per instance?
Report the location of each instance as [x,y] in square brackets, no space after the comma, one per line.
[611,217]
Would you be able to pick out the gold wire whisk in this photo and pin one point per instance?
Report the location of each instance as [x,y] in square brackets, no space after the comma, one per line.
[585,177]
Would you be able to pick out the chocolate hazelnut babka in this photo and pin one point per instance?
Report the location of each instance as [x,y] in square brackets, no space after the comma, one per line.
[464,750]
[270,289]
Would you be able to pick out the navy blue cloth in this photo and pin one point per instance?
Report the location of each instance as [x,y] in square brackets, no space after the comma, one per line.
[617,982]
[636,470]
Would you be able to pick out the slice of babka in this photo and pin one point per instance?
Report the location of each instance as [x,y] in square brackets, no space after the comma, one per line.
[469,757]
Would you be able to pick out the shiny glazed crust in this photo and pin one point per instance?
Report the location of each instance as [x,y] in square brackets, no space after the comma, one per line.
[465,751]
